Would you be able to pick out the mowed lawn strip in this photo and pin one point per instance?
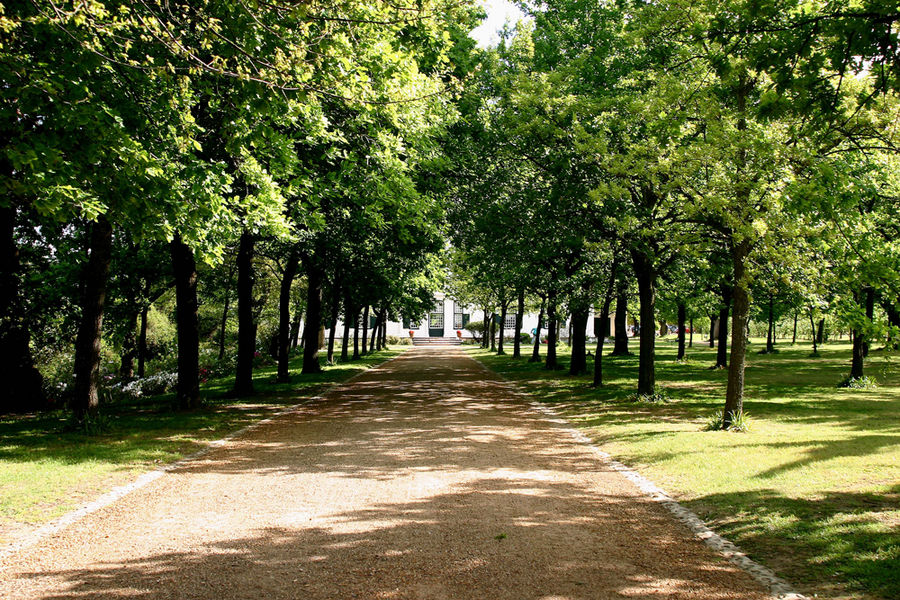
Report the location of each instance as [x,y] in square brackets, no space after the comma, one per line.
[813,490]
[45,470]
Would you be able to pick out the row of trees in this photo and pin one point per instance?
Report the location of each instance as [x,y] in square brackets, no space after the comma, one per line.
[201,148]
[714,155]
[210,153]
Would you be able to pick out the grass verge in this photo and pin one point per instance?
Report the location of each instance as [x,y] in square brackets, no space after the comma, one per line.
[812,491]
[46,471]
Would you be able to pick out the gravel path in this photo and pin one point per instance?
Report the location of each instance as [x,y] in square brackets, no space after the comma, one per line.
[422,479]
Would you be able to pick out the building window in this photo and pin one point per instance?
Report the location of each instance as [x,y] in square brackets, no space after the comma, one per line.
[436,316]
[460,318]
[510,322]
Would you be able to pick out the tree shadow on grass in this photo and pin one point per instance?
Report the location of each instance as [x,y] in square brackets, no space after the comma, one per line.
[815,451]
[836,542]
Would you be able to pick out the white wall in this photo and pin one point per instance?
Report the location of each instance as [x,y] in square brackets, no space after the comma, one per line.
[529,322]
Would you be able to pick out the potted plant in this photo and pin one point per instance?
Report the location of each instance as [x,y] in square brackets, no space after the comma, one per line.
[412,333]
[459,334]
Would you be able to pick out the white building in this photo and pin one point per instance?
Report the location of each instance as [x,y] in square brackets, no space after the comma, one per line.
[449,317]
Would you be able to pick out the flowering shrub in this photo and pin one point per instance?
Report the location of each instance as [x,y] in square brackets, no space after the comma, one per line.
[139,388]
[158,384]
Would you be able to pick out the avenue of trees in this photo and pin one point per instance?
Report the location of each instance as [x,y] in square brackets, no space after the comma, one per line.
[685,162]
[189,181]
[178,175]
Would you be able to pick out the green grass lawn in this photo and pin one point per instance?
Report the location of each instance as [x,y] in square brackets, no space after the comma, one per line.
[813,490]
[46,470]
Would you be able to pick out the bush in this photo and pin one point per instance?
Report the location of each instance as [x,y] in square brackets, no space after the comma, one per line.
[660,396]
[161,334]
[858,383]
[123,390]
[740,422]
[158,384]
[211,367]
[91,424]
[476,328]
[524,337]
[140,388]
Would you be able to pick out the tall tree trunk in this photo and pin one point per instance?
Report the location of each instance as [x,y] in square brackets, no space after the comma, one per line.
[722,354]
[184,266]
[734,395]
[356,335]
[520,310]
[601,331]
[858,354]
[142,341]
[860,339]
[284,316]
[794,338]
[243,379]
[870,315]
[536,351]
[712,331]
[23,384]
[502,327]
[691,335]
[295,324]
[85,400]
[812,324]
[682,315]
[620,346]
[820,334]
[365,328]
[646,277]
[332,331]
[313,318]
[224,323]
[493,332]
[376,330]
[857,357]
[770,331]
[551,363]
[893,318]
[129,347]
[487,328]
[578,364]
[345,340]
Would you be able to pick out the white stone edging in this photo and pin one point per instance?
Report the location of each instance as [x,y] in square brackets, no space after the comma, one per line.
[60,523]
[779,588]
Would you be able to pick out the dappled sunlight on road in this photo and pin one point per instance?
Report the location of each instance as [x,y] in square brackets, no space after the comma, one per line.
[425,478]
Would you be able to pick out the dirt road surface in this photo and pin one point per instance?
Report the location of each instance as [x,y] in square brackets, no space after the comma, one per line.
[425,478]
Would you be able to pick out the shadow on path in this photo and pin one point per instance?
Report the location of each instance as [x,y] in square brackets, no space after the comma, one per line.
[423,479]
